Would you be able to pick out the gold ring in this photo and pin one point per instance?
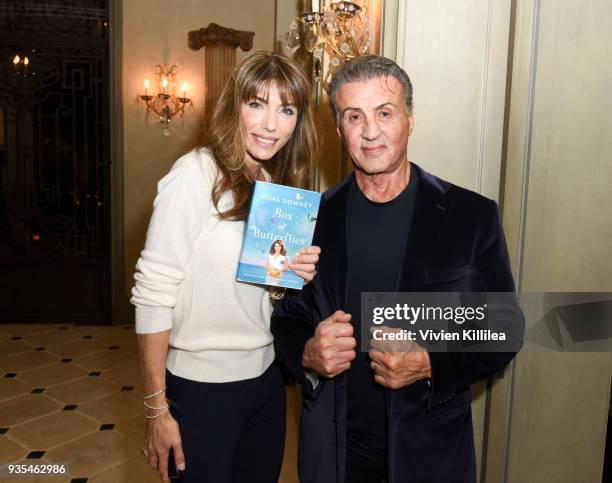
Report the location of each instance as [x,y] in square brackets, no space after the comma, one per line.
[145,452]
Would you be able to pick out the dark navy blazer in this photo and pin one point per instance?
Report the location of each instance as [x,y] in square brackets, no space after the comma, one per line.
[456,243]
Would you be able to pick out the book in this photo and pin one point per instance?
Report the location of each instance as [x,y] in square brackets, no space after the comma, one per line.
[281,221]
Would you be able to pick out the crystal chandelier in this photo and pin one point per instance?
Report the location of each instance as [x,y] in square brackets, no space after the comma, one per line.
[340,29]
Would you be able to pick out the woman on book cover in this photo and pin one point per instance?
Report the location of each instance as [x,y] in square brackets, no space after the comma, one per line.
[214,397]
[277,262]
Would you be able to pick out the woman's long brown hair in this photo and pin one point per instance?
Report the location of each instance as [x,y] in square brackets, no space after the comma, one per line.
[223,134]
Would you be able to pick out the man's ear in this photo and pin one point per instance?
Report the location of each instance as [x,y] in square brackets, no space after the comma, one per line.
[338,131]
[410,123]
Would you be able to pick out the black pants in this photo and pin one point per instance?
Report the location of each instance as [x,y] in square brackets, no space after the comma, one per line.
[232,432]
[363,466]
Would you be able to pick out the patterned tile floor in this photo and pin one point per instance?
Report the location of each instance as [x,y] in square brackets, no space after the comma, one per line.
[73,395]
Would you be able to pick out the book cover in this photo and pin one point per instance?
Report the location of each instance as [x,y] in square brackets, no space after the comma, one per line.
[281,221]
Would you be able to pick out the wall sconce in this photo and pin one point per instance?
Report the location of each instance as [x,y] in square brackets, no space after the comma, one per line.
[20,65]
[165,104]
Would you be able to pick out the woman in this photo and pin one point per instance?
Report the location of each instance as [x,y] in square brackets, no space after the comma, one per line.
[277,262]
[200,333]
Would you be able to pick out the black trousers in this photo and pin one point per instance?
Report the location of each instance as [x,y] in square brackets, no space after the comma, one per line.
[232,432]
[363,466]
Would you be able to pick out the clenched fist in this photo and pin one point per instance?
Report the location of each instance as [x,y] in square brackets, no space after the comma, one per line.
[332,348]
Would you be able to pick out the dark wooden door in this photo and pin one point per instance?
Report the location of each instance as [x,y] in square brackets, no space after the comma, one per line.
[54,162]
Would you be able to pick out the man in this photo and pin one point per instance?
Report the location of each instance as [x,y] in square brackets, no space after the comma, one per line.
[390,226]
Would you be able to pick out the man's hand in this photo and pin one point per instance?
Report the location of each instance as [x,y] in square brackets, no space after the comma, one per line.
[400,369]
[381,340]
[332,348]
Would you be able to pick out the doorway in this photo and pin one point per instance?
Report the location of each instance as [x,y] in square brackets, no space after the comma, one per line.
[54,162]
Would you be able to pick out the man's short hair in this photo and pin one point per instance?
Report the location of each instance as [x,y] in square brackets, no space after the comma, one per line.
[365,68]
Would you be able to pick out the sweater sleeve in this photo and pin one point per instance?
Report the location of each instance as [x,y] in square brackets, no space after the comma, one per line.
[180,209]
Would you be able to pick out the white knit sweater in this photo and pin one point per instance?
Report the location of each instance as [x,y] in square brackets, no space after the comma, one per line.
[186,281]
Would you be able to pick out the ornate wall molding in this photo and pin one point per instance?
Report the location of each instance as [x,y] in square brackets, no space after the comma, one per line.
[217,35]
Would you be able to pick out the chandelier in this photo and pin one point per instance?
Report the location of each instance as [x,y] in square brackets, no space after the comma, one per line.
[340,29]
[165,104]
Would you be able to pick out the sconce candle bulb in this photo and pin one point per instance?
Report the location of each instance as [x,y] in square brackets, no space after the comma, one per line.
[20,65]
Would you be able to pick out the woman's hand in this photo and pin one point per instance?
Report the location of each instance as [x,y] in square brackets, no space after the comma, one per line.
[304,263]
[161,435]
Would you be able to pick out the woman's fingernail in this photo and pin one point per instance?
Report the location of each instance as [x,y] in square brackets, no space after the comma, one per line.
[181,467]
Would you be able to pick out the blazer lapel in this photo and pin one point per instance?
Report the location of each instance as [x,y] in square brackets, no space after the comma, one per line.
[331,228]
[427,220]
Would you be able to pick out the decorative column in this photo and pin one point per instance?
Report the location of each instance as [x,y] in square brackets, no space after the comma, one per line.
[220,55]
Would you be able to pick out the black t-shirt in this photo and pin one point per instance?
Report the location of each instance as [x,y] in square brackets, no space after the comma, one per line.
[377,235]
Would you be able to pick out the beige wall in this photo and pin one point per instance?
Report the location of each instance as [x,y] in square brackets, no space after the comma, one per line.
[456,56]
[557,188]
[155,31]
[547,417]
[570,169]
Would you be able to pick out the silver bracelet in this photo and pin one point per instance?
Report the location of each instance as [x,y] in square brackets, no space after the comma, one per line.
[158,415]
[159,408]
[155,394]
